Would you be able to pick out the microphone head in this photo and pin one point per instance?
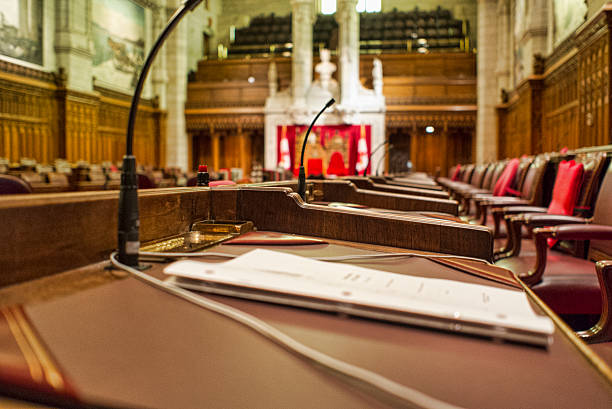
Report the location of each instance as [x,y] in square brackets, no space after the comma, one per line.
[330,103]
[202,168]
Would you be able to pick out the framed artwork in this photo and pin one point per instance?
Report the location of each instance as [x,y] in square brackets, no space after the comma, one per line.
[21,30]
[569,14]
[118,30]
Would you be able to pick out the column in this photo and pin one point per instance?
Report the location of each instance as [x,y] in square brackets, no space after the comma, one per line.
[159,76]
[177,149]
[242,154]
[535,39]
[503,46]
[72,46]
[301,62]
[486,131]
[348,51]
[214,145]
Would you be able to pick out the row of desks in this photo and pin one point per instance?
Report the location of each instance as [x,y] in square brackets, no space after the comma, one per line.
[115,340]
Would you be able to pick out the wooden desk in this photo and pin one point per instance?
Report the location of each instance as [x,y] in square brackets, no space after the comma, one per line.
[343,190]
[119,341]
[367,183]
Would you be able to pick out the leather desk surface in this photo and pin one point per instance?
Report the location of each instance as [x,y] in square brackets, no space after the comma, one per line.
[128,343]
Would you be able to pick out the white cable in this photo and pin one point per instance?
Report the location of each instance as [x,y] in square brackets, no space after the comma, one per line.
[410,397]
[330,258]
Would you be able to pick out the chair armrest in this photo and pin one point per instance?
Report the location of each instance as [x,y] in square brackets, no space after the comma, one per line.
[602,331]
[539,220]
[582,232]
[502,201]
[506,210]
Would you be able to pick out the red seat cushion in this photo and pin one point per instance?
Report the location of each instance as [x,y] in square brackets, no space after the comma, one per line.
[567,186]
[565,191]
[569,284]
[221,183]
[505,180]
[455,176]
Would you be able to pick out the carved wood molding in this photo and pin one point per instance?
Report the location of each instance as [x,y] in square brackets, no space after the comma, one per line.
[227,121]
[437,118]
[27,72]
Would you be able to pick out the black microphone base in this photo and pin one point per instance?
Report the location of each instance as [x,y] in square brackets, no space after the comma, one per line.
[129,219]
[302,183]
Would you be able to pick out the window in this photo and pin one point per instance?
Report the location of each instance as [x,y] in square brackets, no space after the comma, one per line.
[369,6]
[328,6]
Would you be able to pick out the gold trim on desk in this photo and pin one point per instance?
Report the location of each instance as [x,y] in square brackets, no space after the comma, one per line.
[51,372]
[583,348]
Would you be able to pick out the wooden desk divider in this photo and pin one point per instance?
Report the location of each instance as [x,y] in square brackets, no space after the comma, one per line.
[47,234]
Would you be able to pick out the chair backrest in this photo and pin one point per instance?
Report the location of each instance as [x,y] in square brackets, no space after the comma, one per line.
[594,164]
[11,185]
[521,173]
[467,173]
[600,249]
[314,166]
[505,179]
[478,175]
[145,182]
[532,182]
[493,175]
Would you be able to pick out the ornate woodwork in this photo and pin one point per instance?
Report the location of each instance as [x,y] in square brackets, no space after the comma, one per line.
[567,105]
[41,119]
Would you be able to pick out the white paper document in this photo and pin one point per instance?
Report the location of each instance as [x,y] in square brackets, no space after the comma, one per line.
[443,304]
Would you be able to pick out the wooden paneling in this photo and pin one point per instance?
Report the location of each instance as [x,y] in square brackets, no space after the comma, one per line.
[560,107]
[520,131]
[41,119]
[567,103]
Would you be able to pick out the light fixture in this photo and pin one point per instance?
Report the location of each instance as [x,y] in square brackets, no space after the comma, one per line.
[429,129]
[251,79]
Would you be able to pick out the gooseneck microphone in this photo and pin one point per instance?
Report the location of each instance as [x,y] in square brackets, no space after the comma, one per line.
[380,162]
[386,141]
[129,219]
[302,174]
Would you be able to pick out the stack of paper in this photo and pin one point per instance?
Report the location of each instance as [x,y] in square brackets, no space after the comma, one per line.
[443,304]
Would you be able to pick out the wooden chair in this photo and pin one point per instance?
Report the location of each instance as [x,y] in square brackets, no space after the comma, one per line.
[529,193]
[593,166]
[568,284]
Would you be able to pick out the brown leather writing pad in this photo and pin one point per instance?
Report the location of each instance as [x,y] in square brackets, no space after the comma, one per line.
[271,238]
[135,344]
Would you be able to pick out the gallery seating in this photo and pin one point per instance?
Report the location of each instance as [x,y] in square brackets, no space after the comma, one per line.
[394,31]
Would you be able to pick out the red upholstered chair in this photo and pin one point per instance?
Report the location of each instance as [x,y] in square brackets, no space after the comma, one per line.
[528,181]
[574,193]
[11,185]
[464,193]
[336,165]
[315,166]
[568,284]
